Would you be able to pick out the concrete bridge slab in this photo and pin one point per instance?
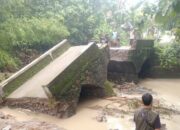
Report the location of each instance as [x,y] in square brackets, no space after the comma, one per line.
[34,86]
[52,83]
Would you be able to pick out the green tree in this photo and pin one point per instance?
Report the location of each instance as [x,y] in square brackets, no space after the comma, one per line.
[168,15]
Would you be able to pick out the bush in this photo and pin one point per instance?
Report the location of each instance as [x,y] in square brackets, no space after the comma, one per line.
[108,88]
[6,61]
[169,55]
[32,31]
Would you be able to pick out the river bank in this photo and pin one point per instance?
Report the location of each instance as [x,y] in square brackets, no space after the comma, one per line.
[116,112]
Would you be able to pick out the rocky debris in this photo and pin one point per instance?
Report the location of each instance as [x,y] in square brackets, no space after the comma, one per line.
[3,116]
[121,107]
[8,122]
[101,117]
[132,88]
[125,106]
[126,87]
[51,107]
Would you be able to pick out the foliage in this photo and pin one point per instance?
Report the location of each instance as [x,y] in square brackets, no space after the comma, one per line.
[168,14]
[43,23]
[86,19]
[108,88]
[80,22]
[124,38]
[104,28]
[27,23]
[168,55]
[31,31]
[40,24]
[7,62]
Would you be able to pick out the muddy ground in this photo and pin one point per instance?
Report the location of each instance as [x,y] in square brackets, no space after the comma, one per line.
[108,113]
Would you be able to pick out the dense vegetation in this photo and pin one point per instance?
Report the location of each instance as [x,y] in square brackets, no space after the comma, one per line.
[168,15]
[35,25]
[40,24]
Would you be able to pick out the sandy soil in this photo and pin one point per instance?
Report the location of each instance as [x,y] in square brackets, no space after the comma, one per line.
[165,90]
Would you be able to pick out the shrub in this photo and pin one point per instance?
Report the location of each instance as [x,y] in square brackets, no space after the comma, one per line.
[6,61]
[169,55]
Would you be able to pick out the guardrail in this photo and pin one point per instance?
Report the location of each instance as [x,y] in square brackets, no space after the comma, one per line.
[35,65]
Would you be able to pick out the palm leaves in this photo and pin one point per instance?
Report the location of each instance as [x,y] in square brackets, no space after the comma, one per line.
[168,13]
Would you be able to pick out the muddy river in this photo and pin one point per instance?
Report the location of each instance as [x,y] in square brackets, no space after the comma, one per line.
[166,89]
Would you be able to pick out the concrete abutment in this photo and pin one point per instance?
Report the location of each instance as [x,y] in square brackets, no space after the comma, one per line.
[127,64]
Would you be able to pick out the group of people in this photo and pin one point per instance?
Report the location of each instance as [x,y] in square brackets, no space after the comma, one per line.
[114,39]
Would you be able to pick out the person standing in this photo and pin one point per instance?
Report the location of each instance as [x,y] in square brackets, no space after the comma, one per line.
[114,42]
[145,118]
[132,37]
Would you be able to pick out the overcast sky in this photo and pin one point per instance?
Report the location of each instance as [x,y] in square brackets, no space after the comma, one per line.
[131,3]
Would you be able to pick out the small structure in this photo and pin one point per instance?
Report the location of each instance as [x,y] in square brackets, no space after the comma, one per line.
[126,62]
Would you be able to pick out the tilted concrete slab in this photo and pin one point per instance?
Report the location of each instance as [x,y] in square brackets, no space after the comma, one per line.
[34,86]
[24,74]
[52,83]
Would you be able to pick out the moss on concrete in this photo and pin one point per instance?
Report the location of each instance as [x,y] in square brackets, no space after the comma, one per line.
[4,76]
[59,51]
[144,44]
[65,86]
[108,88]
[138,57]
[142,52]
[18,81]
[127,69]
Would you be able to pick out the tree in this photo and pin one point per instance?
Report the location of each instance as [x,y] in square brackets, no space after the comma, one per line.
[29,23]
[168,15]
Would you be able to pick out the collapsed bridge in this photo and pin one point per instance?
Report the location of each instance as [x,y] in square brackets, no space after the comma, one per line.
[52,83]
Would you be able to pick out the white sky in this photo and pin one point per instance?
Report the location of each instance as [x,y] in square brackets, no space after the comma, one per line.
[131,3]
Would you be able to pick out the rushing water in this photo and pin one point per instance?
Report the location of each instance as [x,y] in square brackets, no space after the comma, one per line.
[168,89]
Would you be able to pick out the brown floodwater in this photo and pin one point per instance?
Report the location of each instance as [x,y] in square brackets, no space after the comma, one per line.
[167,89]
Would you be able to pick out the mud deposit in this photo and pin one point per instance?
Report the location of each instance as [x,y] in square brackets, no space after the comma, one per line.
[114,112]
